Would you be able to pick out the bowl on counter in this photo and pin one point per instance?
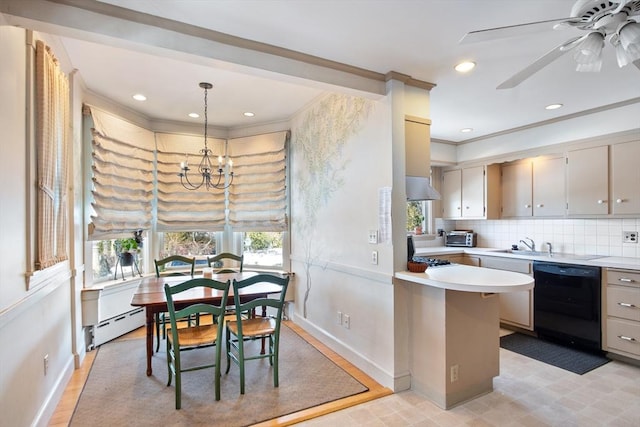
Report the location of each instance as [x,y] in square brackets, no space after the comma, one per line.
[417,267]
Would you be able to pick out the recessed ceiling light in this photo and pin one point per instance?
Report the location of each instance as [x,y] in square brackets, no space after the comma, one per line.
[465,66]
[139,97]
[553,106]
[466,130]
[194,115]
[249,114]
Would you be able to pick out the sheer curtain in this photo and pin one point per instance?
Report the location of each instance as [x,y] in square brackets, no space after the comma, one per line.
[52,141]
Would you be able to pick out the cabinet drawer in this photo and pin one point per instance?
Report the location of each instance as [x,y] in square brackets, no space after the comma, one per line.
[623,335]
[623,302]
[621,277]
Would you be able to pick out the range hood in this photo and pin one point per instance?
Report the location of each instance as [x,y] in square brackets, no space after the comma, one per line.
[419,188]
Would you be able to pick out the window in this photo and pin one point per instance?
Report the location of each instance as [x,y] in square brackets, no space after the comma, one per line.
[415,216]
[110,263]
[263,249]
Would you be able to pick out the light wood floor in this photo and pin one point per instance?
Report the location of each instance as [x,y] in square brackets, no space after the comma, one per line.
[64,411]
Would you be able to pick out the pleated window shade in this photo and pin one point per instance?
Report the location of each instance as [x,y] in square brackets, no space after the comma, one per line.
[123,168]
[124,180]
[258,194]
[180,209]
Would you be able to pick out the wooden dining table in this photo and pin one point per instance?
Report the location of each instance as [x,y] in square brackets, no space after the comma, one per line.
[150,295]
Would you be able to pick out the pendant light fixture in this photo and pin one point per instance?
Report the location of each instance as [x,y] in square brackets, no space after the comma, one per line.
[206,168]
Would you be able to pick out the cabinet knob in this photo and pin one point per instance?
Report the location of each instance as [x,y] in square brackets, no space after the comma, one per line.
[467,207]
[619,200]
[600,201]
[540,205]
[458,208]
[527,206]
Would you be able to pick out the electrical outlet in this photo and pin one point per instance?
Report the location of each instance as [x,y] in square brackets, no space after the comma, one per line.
[46,363]
[374,257]
[347,321]
[630,237]
[454,373]
[373,236]
[339,318]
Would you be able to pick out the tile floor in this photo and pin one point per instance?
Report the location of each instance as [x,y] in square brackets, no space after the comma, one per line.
[527,393]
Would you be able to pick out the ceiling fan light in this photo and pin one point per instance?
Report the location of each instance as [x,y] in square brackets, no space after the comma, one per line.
[629,35]
[621,56]
[591,47]
[589,67]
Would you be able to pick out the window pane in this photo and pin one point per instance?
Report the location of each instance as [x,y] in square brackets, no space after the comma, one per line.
[110,264]
[415,216]
[263,249]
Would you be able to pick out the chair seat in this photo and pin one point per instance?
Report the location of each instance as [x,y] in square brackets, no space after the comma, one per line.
[254,327]
[196,335]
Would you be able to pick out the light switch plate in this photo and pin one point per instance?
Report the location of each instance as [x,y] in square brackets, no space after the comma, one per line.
[373,236]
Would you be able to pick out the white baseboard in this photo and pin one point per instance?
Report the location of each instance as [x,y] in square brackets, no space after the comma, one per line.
[50,404]
[381,376]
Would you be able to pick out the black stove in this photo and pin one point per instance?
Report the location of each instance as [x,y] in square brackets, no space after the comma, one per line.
[431,262]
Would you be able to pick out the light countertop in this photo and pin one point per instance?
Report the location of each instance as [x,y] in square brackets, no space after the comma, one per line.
[593,260]
[467,278]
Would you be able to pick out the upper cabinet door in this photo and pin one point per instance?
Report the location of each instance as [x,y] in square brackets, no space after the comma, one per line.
[516,190]
[452,194]
[549,187]
[625,178]
[587,181]
[473,192]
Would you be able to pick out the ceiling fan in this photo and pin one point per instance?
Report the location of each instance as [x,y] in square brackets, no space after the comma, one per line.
[615,20]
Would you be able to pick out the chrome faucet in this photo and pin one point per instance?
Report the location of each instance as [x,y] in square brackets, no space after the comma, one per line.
[531,246]
[549,247]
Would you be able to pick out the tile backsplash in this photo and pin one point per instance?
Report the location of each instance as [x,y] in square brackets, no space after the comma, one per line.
[578,236]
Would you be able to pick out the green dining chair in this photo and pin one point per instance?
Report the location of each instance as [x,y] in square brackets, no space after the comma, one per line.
[242,329]
[193,337]
[182,263]
[219,261]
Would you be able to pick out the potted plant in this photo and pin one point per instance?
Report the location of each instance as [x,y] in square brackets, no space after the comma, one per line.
[126,249]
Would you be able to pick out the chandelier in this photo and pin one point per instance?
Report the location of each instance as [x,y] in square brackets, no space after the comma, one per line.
[205,168]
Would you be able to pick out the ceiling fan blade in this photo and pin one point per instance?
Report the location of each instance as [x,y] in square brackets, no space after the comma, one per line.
[508,31]
[540,63]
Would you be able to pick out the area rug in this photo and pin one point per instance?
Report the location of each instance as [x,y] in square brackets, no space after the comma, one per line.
[570,359]
[118,392]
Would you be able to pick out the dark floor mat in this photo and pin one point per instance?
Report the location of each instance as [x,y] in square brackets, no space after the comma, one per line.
[570,359]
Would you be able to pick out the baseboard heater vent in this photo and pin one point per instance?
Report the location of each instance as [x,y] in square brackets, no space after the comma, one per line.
[117,326]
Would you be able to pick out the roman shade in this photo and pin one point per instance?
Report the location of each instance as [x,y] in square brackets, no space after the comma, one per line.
[258,195]
[180,209]
[123,165]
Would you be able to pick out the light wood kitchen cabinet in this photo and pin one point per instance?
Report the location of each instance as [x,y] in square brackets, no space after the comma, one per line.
[516,308]
[588,181]
[625,178]
[471,193]
[534,187]
[517,189]
[623,312]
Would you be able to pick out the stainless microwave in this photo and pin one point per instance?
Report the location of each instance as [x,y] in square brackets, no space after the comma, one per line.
[465,239]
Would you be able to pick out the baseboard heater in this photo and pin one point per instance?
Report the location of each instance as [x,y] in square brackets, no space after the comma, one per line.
[116,326]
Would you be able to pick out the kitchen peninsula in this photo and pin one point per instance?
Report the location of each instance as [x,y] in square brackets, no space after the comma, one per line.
[454,329]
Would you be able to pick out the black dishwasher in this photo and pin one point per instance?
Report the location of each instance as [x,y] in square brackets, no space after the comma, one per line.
[567,305]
